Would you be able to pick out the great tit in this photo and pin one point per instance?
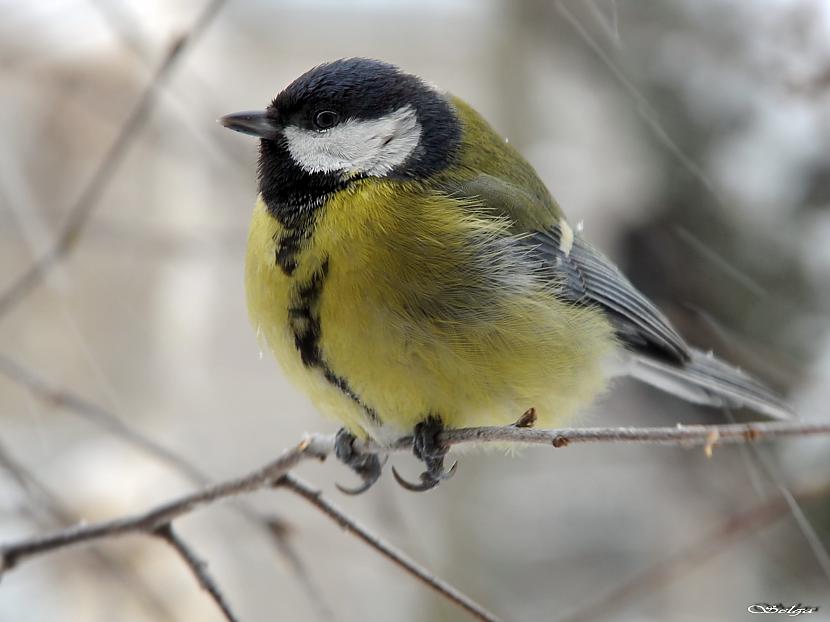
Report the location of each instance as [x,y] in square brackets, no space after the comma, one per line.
[411,271]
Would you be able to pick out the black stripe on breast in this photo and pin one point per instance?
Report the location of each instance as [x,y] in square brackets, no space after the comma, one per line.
[341,384]
[296,232]
[304,320]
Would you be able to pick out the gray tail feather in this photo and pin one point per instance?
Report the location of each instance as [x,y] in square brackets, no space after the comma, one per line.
[708,380]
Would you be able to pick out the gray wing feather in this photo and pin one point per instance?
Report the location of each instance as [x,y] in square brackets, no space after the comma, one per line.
[660,356]
[584,276]
[707,380]
[590,278]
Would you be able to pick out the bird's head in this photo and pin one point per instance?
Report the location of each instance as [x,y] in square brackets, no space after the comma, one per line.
[345,120]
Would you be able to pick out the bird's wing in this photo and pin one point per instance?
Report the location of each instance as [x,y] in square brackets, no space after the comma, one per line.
[591,278]
[583,274]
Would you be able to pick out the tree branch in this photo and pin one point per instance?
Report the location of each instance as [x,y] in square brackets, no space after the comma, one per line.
[276,473]
[319,446]
[154,518]
[692,556]
[111,423]
[82,208]
[680,435]
[157,520]
[388,551]
[59,515]
[198,567]
[100,417]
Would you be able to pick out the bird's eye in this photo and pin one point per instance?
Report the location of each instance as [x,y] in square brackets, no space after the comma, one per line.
[325,119]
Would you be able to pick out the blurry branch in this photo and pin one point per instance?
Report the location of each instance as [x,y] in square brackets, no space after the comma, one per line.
[88,200]
[123,22]
[611,28]
[158,519]
[693,555]
[644,108]
[807,530]
[93,413]
[59,514]
[197,567]
[419,572]
[99,416]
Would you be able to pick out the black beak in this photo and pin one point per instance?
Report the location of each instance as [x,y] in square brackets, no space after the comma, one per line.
[255,123]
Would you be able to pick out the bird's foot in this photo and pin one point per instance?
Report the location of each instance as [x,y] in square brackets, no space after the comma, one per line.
[367,465]
[431,451]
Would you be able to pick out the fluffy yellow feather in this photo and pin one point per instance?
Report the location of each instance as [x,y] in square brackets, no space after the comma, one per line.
[411,271]
[420,313]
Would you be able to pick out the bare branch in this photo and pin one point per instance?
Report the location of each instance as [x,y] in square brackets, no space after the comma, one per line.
[198,567]
[681,435]
[280,535]
[387,550]
[150,520]
[320,446]
[41,497]
[156,521]
[99,416]
[88,200]
[693,555]
[521,432]
[115,425]
[642,105]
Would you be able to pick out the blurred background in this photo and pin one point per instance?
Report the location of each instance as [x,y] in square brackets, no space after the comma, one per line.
[690,138]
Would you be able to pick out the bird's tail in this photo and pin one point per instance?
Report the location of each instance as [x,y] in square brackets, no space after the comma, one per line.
[707,380]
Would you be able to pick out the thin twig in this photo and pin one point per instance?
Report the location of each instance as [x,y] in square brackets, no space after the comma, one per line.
[198,567]
[319,446]
[644,108]
[279,533]
[807,530]
[387,550]
[758,461]
[681,435]
[692,556]
[60,515]
[88,200]
[100,416]
[153,518]
[103,418]
[156,521]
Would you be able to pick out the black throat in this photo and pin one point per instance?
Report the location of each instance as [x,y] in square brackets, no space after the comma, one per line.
[294,197]
[291,193]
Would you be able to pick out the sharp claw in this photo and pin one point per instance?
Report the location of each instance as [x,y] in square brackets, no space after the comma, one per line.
[357,490]
[368,466]
[368,482]
[426,482]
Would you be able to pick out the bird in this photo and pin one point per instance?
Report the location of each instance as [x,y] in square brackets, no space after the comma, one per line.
[411,271]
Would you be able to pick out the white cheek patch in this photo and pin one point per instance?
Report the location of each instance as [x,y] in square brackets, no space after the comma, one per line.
[373,146]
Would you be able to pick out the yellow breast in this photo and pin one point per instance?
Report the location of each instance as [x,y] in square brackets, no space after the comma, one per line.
[418,310]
